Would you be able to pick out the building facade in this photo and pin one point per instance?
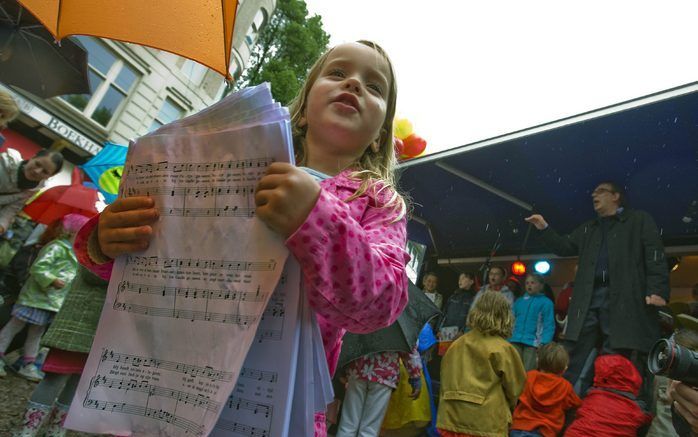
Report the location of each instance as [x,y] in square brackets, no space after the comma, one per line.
[134,90]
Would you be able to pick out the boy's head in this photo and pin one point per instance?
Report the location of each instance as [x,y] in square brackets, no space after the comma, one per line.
[8,109]
[430,282]
[534,283]
[492,315]
[553,358]
[466,280]
[496,276]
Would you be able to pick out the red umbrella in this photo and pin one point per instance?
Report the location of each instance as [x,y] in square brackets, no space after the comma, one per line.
[57,202]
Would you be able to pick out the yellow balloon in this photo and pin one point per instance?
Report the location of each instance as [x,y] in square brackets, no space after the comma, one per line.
[402,128]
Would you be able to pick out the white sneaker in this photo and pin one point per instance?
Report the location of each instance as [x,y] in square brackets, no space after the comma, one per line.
[3,373]
[31,372]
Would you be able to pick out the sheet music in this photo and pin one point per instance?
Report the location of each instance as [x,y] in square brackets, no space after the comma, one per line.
[260,404]
[180,317]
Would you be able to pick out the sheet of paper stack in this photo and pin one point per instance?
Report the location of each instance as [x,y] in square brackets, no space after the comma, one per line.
[207,332]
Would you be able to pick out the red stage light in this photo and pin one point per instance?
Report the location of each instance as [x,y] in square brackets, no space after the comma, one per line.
[518,268]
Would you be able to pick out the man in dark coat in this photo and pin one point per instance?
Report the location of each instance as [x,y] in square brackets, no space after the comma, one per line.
[621,280]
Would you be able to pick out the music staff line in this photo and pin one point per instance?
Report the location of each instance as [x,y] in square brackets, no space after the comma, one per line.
[196,192]
[192,293]
[258,375]
[197,400]
[226,211]
[240,428]
[185,314]
[172,366]
[237,403]
[140,410]
[178,167]
[213,264]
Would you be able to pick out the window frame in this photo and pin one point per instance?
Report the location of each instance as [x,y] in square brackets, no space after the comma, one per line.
[108,80]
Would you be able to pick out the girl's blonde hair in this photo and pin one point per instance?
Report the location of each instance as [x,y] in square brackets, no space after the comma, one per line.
[8,109]
[492,315]
[374,169]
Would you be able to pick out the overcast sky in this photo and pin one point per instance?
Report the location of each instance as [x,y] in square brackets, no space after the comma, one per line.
[472,69]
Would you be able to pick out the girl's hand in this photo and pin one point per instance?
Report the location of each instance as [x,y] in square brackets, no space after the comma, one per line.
[124,226]
[57,283]
[285,197]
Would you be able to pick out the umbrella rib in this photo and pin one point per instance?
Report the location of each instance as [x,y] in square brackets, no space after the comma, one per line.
[6,14]
[36,62]
[55,47]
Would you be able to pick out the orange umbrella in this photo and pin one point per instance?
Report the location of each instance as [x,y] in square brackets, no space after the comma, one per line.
[201,30]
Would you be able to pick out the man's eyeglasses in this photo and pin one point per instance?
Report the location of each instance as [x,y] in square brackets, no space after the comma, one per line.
[602,190]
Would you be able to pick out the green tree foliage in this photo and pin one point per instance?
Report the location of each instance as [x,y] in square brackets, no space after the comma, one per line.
[286,48]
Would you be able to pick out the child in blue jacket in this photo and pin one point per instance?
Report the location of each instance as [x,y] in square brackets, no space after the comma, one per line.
[535,321]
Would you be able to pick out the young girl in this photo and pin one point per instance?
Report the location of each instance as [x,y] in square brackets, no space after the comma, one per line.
[42,295]
[481,374]
[347,231]
[69,337]
[535,321]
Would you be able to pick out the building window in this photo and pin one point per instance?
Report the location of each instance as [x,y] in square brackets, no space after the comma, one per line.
[169,112]
[194,71]
[259,21]
[111,79]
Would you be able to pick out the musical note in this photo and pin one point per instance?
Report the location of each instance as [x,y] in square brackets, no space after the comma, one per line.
[187,369]
[240,428]
[203,263]
[202,192]
[226,211]
[191,293]
[237,403]
[198,167]
[140,410]
[258,375]
[193,315]
[196,400]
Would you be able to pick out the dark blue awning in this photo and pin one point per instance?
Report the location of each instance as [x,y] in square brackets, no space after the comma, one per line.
[469,195]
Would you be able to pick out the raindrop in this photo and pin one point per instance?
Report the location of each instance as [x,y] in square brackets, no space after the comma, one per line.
[655,255]
[676,119]
[668,185]
[559,180]
[634,159]
[487,227]
[627,149]
[661,231]
[585,229]
[515,231]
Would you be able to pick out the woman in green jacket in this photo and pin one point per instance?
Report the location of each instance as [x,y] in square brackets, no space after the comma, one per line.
[42,295]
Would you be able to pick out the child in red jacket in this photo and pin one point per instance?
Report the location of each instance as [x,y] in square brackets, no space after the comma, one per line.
[546,396]
[610,408]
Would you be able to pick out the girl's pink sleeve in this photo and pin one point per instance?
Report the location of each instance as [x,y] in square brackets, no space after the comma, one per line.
[354,272]
[85,237]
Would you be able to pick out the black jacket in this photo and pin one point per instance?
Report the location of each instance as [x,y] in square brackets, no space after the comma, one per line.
[637,268]
[457,307]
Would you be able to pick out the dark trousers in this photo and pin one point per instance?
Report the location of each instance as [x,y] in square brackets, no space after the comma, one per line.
[595,336]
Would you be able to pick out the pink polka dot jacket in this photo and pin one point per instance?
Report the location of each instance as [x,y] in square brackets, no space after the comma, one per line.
[352,256]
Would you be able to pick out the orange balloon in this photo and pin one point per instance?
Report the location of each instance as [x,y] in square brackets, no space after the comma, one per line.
[414,146]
